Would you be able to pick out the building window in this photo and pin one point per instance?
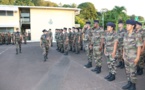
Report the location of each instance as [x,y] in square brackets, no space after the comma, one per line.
[2,13]
[7,29]
[9,13]
[6,13]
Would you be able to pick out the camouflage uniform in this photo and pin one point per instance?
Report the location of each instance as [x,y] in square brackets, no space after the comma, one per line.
[61,48]
[6,39]
[77,42]
[66,43]
[131,42]
[119,53]
[18,40]
[51,38]
[45,45]
[56,37]
[73,43]
[70,40]
[97,39]
[13,39]
[25,38]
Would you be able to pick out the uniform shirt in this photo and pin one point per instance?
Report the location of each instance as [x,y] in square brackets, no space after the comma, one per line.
[65,36]
[131,42]
[44,39]
[97,36]
[77,36]
[17,36]
[110,39]
[120,34]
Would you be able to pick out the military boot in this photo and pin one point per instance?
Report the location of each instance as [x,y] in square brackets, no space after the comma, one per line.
[133,87]
[140,72]
[111,78]
[99,70]
[16,51]
[108,76]
[45,58]
[128,85]
[89,65]
[95,69]
[119,64]
[123,65]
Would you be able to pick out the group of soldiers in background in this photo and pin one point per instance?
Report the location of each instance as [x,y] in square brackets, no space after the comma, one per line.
[125,47]
[46,41]
[69,41]
[9,38]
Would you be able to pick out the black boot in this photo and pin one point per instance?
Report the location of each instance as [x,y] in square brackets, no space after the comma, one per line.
[119,64]
[45,58]
[140,71]
[123,65]
[111,78]
[95,69]
[133,87]
[16,51]
[99,70]
[128,85]
[89,65]
[108,76]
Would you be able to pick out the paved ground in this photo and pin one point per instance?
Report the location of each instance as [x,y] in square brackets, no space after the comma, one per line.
[27,71]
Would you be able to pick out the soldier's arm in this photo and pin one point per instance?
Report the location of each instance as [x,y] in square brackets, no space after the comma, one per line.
[115,44]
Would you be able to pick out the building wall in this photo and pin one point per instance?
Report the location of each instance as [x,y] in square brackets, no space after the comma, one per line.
[46,18]
[10,20]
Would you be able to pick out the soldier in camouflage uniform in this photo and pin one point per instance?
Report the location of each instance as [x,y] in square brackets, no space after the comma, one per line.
[141,64]
[77,40]
[98,39]
[121,31]
[13,38]
[72,38]
[44,44]
[70,41]
[61,48]
[56,37]
[18,39]
[81,38]
[51,37]
[6,39]
[3,38]
[65,41]
[131,53]
[25,37]
[88,44]
[111,42]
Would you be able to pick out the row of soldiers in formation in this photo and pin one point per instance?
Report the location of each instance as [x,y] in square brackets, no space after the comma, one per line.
[126,46]
[8,38]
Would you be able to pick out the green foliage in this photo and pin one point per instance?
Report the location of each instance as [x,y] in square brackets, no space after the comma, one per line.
[88,10]
[80,21]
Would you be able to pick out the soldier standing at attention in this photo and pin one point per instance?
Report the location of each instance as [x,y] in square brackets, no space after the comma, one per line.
[131,53]
[98,40]
[111,42]
[140,65]
[121,31]
[72,38]
[44,44]
[61,48]
[56,38]
[51,37]
[70,41]
[18,39]
[77,41]
[6,39]
[66,41]
[88,44]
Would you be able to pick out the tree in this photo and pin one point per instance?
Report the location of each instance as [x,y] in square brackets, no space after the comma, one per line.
[24,2]
[66,5]
[70,5]
[7,2]
[80,21]
[88,10]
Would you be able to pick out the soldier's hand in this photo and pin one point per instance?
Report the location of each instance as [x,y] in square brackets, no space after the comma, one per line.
[113,55]
[136,61]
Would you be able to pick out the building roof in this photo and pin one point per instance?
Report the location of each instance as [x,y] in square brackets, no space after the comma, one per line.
[14,8]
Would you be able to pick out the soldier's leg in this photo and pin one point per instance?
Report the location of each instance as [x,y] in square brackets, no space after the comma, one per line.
[112,68]
[51,42]
[127,70]
[17,47]
[44,52]
[140,65]
[47,51]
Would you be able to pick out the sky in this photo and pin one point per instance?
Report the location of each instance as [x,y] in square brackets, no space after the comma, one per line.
[136,7]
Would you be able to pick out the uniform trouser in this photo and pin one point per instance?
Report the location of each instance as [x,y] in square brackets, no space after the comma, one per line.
[119,54]
[97,56]
[141,63]
[89,53]
[65,48]
[130,68]
[77,47]
[111,62]
[25,41]
[61,47]
[57,43]
[51,42]
[18,45]
[70,45]
[7,42]
[73,46]
[45,49]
